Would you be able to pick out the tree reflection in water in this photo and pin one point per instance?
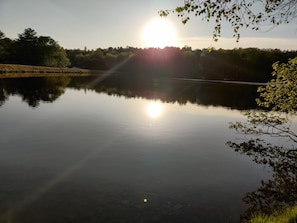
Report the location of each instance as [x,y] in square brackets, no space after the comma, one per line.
[280,191]
[276,193]
[33,90]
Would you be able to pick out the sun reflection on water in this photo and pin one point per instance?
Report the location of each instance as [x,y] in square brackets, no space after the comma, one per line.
[154,109]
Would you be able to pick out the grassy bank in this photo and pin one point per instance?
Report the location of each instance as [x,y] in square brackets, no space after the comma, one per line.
[15,70]
[289,215]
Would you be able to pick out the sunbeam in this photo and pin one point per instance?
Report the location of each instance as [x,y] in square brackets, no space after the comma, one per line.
[108,73]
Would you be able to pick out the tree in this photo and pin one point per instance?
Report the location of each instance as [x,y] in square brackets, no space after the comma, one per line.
[50,53]
[29,35]
[250,14]
[281,92]
[25,48]
[94,60]
[2,35]
[5,48]
[39,50]
[279,96]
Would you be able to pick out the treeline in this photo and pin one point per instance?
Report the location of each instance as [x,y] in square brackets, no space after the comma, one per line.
[250,64]
[30,49]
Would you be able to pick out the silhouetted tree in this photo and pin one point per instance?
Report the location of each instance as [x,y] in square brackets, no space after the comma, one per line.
[249,64]
[2,35]
[278,192]
[38,50]
[5,48]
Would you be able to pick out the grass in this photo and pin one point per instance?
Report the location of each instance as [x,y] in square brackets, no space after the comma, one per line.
[288,215]
[16,70]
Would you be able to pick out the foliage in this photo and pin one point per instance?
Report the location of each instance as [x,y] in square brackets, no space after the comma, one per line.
[259,123]
[281,92]
[250,14]
[2,35]
[31,49]
[5,47]
[99,59]
[278,192]
[249,64]
[279,95]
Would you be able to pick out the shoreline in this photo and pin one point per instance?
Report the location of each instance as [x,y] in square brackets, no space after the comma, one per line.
[17,70]
[23,71]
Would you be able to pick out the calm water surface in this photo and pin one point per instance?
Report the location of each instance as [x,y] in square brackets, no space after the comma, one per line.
[95,157]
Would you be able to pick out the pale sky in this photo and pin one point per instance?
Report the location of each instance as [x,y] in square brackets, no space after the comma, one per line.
[115,23]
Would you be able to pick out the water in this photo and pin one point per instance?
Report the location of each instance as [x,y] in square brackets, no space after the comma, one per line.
[74,153]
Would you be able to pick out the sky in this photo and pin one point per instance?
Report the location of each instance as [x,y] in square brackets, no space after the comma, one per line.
[76,24]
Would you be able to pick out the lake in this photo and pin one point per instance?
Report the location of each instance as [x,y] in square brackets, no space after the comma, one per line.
[94,150]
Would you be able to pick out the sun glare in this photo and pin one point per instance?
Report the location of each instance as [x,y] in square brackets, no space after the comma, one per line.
[159,33]
[154,109]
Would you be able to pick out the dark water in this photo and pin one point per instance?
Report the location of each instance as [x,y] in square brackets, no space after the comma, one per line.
[82,150]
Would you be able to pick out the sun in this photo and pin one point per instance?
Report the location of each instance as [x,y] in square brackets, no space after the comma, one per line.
[154,109]
[159,33]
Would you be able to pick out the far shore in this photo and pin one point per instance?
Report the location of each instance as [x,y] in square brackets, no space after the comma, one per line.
[16,70]
[22,71]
